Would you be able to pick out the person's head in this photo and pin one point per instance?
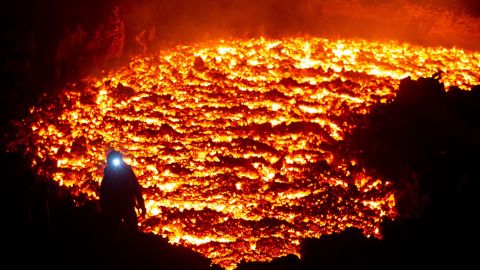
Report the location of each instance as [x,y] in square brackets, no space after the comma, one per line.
[114,158]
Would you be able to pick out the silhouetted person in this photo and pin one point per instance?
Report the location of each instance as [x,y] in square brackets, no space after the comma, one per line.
[120,193]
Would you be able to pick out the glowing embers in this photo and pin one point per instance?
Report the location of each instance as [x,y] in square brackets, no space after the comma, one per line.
[236,142]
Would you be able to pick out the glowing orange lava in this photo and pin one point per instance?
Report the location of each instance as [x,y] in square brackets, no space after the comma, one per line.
[236,142]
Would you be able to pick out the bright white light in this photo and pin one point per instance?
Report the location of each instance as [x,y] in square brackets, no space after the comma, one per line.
[116,161]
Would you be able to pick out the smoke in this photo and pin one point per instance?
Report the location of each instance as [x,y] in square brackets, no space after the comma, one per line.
[424,22]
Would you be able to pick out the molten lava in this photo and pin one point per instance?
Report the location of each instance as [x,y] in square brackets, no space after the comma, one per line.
[236,143]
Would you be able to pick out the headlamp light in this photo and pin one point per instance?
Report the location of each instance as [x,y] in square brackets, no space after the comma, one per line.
[116,162]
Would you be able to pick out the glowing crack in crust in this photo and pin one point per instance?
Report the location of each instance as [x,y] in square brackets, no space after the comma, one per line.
[236,142]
